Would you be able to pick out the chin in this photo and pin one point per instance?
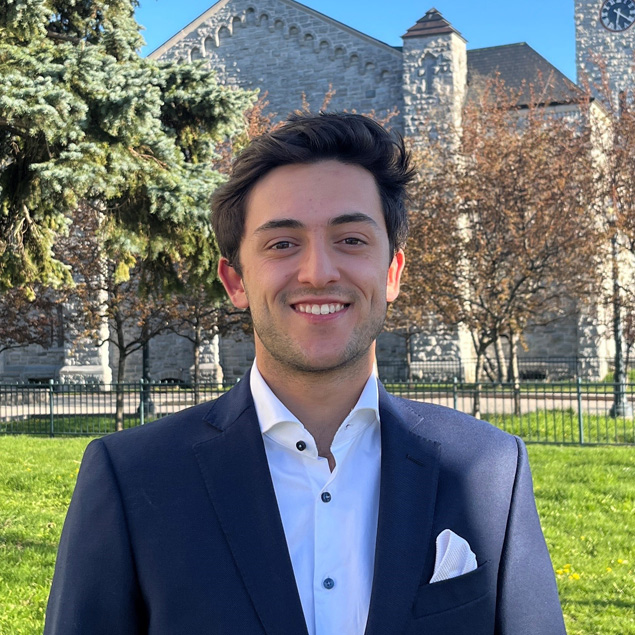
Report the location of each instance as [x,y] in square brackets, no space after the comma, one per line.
[330,363]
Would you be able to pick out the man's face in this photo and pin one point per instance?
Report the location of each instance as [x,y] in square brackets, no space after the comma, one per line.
[316,269]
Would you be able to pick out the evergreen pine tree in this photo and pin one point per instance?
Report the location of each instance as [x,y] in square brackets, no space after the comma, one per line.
[84,118]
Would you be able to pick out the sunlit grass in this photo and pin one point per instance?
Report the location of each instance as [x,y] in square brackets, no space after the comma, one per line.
[37,477]
[586,500]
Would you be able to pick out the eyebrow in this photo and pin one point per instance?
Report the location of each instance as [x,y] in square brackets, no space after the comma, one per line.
[280,223]
[353,217]
[292,223]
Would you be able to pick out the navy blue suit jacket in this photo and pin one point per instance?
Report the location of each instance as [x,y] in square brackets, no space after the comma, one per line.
[174,529]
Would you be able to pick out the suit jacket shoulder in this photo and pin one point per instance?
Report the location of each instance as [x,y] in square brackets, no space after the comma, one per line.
[179,432]
[463,439]
[439,420]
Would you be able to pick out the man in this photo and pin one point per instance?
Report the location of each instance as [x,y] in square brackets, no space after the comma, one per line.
[307,500]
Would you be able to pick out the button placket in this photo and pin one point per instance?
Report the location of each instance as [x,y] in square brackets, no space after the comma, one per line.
[325,553]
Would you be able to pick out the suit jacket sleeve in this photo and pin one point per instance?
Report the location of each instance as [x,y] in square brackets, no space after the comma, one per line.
[95,588]
[528,601]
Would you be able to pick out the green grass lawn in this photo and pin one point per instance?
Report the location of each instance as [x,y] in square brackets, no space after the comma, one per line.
[585,495]
[37,476]
[586,500]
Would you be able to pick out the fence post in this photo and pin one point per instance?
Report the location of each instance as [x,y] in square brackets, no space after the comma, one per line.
[578,383]
[455,397]
[51,410]
[141,402]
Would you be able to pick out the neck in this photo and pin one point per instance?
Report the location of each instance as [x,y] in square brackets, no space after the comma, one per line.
[320,400]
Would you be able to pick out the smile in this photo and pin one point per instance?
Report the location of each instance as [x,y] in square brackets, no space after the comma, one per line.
[320,309]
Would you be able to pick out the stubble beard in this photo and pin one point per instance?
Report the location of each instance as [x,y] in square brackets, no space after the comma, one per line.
[290,357]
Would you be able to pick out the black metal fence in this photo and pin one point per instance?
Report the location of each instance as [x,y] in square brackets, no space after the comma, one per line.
[564,412]
[429,370]
[529,368]
[93,409]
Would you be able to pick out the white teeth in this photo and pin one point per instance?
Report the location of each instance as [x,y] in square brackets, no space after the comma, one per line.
[319,309]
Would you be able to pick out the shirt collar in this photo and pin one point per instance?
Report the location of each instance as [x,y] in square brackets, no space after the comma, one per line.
[278,422]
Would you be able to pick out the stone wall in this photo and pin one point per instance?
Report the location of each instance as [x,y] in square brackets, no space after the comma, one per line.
[31,363]
[86,358]
[436,354]
[617,50]
[290,50]
[595,346]
[236,356]
[434,84]
[171,359]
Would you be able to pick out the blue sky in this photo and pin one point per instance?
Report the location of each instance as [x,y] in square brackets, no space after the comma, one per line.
[547,26]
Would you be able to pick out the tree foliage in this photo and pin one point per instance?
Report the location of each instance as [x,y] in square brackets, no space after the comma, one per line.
[84,117]
[615,168]
[615,180]
[501,233]
[200,308]
[25,320]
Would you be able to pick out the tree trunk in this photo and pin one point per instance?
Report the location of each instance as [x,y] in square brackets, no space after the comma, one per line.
[514,340]
[409,354]
[501,367]
[621,406]
[197,361]
[121,369]
[148,406]
[476,404]
[119,407]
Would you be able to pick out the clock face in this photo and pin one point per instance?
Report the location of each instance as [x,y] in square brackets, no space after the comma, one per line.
[617,15]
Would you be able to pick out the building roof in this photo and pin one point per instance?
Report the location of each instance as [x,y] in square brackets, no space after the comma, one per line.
[520,67]
[432,23]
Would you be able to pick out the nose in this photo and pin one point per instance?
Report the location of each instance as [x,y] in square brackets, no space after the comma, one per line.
[318,266]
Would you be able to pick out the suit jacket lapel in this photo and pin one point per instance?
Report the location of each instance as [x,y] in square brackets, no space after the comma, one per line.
[234,466]
[408,486]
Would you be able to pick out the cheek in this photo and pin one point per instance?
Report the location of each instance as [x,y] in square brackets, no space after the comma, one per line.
[266,283]
[375,288]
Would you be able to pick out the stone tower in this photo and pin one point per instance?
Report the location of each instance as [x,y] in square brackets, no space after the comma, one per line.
[605,36]
[434,77]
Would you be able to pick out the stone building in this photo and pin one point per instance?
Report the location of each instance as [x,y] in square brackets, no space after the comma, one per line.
[297,54]
[605,36]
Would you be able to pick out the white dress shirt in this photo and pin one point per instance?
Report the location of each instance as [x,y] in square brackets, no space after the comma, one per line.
[329,518]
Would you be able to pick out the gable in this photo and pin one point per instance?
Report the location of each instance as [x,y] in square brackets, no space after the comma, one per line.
[287,50]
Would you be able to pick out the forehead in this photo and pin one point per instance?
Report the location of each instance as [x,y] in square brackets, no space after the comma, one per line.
[313,194]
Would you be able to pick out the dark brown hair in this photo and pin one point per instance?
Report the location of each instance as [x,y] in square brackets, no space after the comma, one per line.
[308,138]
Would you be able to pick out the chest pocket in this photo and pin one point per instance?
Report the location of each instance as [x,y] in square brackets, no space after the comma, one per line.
[464,605]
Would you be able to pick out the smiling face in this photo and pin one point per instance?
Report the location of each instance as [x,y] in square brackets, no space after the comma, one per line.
[315,268]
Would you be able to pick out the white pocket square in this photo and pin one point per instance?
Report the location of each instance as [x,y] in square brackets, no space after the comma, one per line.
[453,558]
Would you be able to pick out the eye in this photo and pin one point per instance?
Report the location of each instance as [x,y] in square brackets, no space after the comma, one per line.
[283,244]
[353,241]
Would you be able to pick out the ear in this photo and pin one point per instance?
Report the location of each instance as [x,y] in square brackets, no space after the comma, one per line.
[394,276]
[233,284]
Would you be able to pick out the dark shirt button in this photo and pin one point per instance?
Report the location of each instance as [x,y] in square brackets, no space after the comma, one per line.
[326,497]
[301,445]
[328,583]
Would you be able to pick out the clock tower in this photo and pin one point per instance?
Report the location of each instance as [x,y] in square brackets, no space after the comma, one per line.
[605,38]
